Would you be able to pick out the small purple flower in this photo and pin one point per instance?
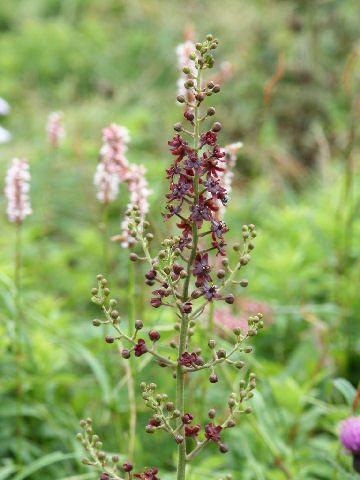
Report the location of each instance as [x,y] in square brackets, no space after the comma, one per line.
[202,268]
[350,438]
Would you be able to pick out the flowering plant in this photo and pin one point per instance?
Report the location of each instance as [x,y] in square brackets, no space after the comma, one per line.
[183,278]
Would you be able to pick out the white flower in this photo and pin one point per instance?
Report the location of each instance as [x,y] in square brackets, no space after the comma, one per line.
[227,175]
[183,51]
[115,169]
[17,188]
[5,135]
[4,107]
[107,183]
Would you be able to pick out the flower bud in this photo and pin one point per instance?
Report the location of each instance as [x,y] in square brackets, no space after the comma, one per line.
[100,454]
[186,70]
[114,314]
[223,448]
[178,127]
[239,364]
[127,466]
[187,418]
[150,429]
[195,294]
[154,335]
[248,349]
[221,353]
[139,324]
[150,274]
[213,378]
[133,257]
[211,111]
[225,262]
[181,99]
[211,344]
[216,127]
[248,410]
[125,353]
[169,406]
[109,339]
[212,413]
[230,424]
[231,402]
[244,282]
[85,461]
[188,114]
[96,322]
[176,413]
[216,88]
[244,260]
[237,331]
[230,298]
[220,273]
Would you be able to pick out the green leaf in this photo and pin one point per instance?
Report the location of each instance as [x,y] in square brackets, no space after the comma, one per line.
[41,463]
[346,389]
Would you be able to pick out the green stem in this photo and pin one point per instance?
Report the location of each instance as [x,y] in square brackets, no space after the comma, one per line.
[181,467]
[104,232]
[128,365]
[18,349]
[211,317]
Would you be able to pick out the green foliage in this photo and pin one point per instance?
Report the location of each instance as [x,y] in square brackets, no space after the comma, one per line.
[109,61]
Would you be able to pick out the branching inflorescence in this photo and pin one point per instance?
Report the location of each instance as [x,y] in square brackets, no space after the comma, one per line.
[185,278]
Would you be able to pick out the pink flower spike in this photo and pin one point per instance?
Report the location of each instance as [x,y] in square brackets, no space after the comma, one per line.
[17,190]
[55,128]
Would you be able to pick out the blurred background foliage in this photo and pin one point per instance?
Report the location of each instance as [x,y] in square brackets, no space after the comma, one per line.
[293,100]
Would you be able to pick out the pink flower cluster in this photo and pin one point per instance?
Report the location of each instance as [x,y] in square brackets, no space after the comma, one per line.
[113,167]
[17,190]
[139,192]
[55,128]
[183,51]
[225,317]
[227,175]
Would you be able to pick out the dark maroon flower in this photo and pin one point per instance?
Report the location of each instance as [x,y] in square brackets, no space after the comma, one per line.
[211,165]
[140,348]
[185,227]
[172,211]
[218,228]
[180,189]
[175,169]
[190,359]
[193,162]
[217,153]
[180,147]
[212,185]
[187,418]
[202,269]
[177,268]
[148,474]
[156,302]
[212,432]
[210,292]
[183,241]
[220,246]
[192,430]
[200,212]
[208,137]
[187,307]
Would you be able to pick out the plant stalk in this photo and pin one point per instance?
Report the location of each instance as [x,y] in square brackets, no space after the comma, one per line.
[180,400]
